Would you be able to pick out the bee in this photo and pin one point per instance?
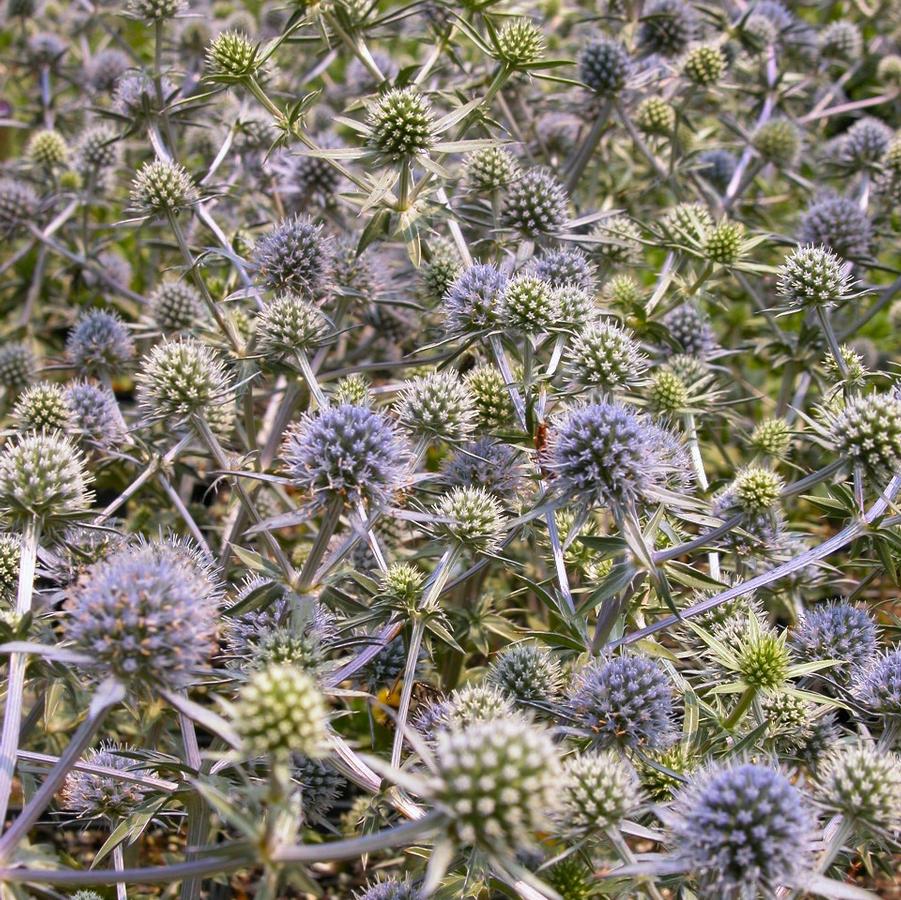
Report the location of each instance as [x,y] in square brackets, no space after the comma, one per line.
[389,698]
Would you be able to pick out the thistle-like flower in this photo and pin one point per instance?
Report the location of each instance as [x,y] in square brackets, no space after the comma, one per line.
[741,830]
[47,149]
[606,356]
[704,65]
[491,168]
[471,519]
[294,258]
[535,204]
[527,672]
[351,452]
[626,700]
[104,796]
[162,187]
[43,480]
[878,686]
[519,44]
[691,330]
[487,464]
[175,306]
[863,783]
[605,454]
[402,124]
[840,225]
[100,344]
[181,378]
[813,276]
[146,614]
[18,205]
[667,27]
[95,414]
[778,141]
[836,631]
[279,711]
[290,325]
[232,56]
[475,301]
[493,406]
[497,782]
[604,66]
[530,305]
[868,432]
[599,790]
[43,407]
[439,405]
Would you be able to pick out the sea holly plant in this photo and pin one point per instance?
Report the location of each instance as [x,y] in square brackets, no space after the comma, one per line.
[450,450]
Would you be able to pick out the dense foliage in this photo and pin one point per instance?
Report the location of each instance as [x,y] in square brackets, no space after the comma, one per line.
[450,449]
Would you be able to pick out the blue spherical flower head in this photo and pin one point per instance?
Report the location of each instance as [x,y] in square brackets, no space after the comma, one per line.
[626,700]
[741,831]
[146,614]
[100,344]
[346,451]
[836,631]
[839,224]
[565,268]
[295,257]
[605,454]
[475,301]
[879,685]
[489,464]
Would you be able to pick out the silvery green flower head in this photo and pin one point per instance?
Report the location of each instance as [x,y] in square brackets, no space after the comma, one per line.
[865,142]
[606,356]
[95,414]
[104,796]
[863,783]
[741,830]
[475,301]
[17,365]
[470,518]
[162,187]
[146,614]
[43,406]
[606,454]
[290,325]
[105,68]
[627,700]
[390,889]
[814,276]
[868,432]
[604,65]
[175,306]
[100,344]
[182,378]
[531,306]
[667,27]
[280,710]
[295,257]
[535,204]
[478,702]
[599,790]
[43,480]
[439,405]
[349,452]
[402,124]
[527,672]
[564,268]
[497,782]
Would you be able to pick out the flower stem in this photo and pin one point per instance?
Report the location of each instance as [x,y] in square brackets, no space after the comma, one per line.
[12,714]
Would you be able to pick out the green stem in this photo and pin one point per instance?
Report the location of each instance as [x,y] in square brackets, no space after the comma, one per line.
[743,705]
